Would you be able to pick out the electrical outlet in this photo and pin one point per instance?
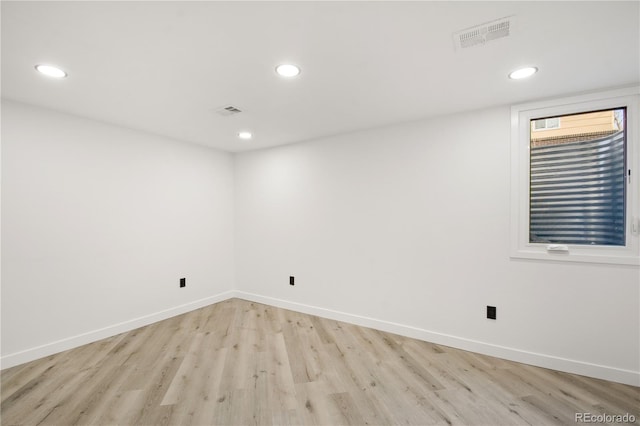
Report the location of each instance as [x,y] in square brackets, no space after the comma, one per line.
[292,281]
[183,282]
[491,312]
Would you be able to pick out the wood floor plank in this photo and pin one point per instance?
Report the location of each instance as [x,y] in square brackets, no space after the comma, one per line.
[314,407]
[348,409]
[120,410]
[280,378]
[244,363]
[372,411]
[182,380]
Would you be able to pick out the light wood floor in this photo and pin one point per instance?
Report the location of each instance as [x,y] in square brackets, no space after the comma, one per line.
[243,363]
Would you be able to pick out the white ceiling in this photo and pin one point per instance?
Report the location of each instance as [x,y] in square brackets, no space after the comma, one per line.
[165,67]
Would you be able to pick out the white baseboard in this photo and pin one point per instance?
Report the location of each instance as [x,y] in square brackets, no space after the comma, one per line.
[604,372]
[95,335]
[541,360]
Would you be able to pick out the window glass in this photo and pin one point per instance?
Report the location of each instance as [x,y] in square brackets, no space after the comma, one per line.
[577,180]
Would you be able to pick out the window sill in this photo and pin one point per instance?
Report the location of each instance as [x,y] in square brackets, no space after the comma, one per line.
[579,255]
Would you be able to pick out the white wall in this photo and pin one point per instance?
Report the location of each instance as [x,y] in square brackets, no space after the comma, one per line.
[98,225]
[406,228]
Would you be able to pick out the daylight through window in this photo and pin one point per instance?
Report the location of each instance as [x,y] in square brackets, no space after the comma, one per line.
[577,179]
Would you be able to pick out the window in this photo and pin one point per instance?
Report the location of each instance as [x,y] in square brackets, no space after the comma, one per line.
[574,188]
[545,123]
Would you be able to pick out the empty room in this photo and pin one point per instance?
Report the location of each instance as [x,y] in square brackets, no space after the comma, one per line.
[320,213]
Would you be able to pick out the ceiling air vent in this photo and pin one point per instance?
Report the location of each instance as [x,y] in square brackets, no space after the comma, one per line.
[484,33]
[228,110]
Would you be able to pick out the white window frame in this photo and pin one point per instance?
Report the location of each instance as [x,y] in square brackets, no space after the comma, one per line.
[521,116]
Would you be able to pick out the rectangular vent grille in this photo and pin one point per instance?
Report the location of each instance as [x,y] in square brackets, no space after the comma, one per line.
[228,110]
[484,33]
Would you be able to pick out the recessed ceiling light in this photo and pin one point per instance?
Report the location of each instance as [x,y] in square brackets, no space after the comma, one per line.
[245,135]
[51,71]
[523,73]
[287,70]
